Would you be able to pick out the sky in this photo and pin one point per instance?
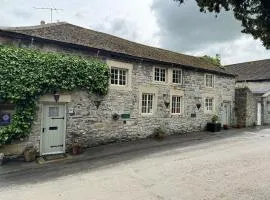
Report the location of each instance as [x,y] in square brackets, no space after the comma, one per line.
[159,23]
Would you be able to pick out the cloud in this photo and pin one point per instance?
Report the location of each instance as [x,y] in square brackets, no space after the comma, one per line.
[119,27]
[19,13]
[160,23]
[242,49]
[185,28]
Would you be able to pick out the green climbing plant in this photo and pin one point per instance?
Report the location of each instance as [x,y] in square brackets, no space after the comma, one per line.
[26,74]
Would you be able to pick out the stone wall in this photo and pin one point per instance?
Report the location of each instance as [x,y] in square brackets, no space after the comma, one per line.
[245,107]
[266,110]
[95,126]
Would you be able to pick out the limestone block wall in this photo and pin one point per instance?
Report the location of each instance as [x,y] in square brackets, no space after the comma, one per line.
[246,107]
[94,125]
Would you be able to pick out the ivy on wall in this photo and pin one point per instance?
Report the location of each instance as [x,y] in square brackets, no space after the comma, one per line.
[27,74]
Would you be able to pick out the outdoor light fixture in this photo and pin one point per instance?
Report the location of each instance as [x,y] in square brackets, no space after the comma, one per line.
[198,105]
[167,103]
[56,96]
[166,98]
[198,102]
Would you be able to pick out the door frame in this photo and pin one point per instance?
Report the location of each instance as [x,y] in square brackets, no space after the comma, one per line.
[259,115]
[229,103]
[42,123]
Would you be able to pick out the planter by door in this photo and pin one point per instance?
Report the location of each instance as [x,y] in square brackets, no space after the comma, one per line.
[53,129]
[214,127]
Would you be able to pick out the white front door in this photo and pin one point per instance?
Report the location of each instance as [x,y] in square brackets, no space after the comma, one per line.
[226,114]
[53,129]
[259,114]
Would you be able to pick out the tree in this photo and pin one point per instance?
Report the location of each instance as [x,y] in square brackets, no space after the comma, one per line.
[254,15]
[213,60]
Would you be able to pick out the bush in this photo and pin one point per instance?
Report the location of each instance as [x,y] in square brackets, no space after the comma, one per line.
[160,132]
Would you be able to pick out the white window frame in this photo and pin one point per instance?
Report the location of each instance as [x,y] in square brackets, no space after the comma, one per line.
[119,76]
[125,66]
[148,95]
[213,80]
[181,105]
[213,105]
[146,89]
[181,76]
[154,74]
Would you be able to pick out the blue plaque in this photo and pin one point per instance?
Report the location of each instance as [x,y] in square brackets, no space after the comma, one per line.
[4,119]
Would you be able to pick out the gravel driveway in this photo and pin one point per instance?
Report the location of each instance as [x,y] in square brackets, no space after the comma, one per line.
[236,168]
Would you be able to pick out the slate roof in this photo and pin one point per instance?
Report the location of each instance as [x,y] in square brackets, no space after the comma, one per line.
[251,71]
[72,34]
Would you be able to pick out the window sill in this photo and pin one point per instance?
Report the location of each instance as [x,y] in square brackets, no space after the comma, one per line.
[120,87]
[147,114]
[177,115]
[160,82]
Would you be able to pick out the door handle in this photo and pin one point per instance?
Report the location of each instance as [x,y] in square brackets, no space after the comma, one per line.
[43,130]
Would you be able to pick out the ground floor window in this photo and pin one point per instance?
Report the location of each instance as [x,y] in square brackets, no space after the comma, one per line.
[176,104]
[209,104]
[147,103]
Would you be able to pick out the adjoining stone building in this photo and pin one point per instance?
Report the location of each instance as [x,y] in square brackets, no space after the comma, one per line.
[252,92]
[150,87]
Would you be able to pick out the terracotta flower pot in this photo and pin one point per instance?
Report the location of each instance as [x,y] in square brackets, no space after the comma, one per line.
[76,150]
[29,156]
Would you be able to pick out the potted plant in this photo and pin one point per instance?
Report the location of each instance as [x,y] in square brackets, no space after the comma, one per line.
[225,126]
[214,119]
[76,149]
[214,126]
[30,154]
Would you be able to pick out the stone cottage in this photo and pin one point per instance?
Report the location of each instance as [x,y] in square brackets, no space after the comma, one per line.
[252,97]
[149,88]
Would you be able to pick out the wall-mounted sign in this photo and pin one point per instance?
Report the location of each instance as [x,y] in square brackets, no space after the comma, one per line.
[4,119]
[125,116]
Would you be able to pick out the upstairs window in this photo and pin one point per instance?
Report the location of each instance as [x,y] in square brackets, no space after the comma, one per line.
[177,76]
[209,80]
[160,74]
[118,76]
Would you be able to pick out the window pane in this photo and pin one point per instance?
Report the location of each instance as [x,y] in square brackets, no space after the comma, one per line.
[53,111]
[160,74]
[118,76]
[147,103]
[209,80]
[176,104]
[177,76]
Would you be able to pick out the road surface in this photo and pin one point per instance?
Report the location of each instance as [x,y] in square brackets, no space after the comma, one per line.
[235,168]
